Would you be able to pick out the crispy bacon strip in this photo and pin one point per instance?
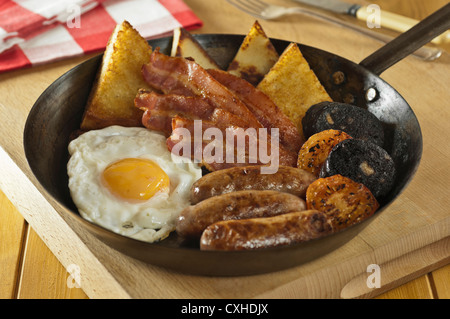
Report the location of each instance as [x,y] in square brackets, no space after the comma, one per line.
[224,118]
[190,105]
[158,121]
[264,109]
[159,109]
[177,75]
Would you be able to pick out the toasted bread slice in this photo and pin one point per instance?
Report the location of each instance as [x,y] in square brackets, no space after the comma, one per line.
[111,100]
[293,86]
[255,56]
[186,46]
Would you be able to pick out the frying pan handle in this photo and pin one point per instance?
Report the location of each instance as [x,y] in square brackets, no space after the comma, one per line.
[408,42]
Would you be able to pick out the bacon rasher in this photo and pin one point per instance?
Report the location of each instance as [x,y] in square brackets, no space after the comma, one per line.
[264,109]
[177,75]
[159,109]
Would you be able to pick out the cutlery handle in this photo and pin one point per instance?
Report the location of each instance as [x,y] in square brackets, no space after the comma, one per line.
[425,53]
[395,22]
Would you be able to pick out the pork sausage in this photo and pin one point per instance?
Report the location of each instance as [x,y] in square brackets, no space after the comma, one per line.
[236,205]
[257,233]
[287,179]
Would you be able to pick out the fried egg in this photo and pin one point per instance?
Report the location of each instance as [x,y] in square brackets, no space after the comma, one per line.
[127,181]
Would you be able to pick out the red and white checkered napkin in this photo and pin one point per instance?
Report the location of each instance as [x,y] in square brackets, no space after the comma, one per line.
[34,32]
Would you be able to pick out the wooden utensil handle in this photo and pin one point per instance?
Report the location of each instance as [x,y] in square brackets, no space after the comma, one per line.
[394,21]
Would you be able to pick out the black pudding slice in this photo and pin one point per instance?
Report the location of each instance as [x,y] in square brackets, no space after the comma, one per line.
[353,120]
[363,162]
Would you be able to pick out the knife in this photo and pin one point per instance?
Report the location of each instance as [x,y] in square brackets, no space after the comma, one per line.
[386,19]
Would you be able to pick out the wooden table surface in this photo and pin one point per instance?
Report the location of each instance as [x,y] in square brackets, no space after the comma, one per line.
[30,270]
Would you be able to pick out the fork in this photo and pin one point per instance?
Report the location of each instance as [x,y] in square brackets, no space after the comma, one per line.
[265,11]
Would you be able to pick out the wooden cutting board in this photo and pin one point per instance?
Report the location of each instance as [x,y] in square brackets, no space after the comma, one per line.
[409,238]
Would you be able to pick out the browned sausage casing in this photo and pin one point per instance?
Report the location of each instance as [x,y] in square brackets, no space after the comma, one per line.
[287,179]
[257,233]
[236,205]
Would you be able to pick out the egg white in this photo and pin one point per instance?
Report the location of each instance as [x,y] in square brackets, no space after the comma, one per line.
[148,221]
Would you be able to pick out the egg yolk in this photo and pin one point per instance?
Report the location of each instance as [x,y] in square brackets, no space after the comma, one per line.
[135,179]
